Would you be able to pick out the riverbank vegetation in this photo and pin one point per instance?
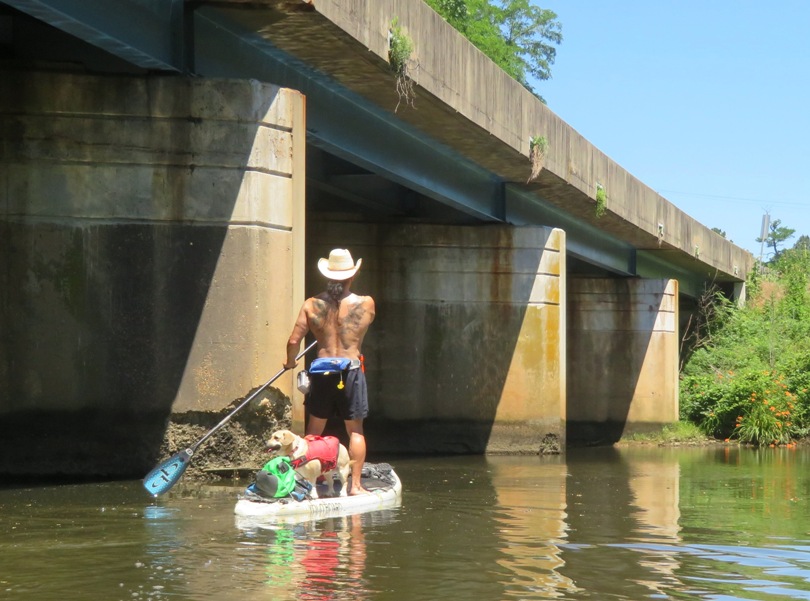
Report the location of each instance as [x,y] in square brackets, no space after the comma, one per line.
[747,374]
[681,432]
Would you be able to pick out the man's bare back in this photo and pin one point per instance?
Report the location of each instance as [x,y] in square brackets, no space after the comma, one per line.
[339,332]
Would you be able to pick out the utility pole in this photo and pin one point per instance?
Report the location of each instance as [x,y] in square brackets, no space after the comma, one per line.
[766,223]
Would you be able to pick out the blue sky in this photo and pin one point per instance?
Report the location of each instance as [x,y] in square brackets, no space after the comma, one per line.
[705,101]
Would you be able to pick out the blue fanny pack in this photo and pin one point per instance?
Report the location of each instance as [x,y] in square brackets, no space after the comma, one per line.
[329,365]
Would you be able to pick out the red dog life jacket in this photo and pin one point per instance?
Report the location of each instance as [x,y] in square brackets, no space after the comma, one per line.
[322,448]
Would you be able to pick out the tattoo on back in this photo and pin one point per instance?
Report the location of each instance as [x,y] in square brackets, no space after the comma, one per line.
[354,318]
[319,314]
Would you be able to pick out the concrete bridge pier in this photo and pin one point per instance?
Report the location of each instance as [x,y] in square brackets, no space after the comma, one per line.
[467,354]
[623,349]
[152,259]
[156,248]
[485,343]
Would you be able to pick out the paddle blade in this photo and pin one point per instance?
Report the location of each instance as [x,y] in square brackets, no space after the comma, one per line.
[166,475]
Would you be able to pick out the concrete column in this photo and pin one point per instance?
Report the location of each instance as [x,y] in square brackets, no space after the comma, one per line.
[740,293]
[298,249]
[149,228]
[622,357]
[468,350]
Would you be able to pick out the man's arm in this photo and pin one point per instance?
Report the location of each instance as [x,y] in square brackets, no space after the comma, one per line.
[299,330]
[371,308]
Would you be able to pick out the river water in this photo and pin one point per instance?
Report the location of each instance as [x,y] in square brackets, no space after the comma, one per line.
[717,523]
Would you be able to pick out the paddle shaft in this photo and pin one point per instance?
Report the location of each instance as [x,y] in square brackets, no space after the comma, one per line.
[256,393]
[166,475]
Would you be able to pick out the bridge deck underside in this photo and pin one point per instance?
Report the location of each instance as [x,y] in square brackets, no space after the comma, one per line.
[426,160]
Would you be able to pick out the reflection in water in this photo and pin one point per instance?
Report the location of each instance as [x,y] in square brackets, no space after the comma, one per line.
[681,499]
[317,560]
[729,572]
[654,486]
[720,523]
[531,515]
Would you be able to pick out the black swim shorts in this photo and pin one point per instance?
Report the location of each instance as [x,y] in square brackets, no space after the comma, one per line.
[325,399]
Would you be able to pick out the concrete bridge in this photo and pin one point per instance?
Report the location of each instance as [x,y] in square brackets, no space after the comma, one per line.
[170,172]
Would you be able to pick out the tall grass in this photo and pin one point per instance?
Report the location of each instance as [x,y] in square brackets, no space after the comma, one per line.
[749,375]
[672,433]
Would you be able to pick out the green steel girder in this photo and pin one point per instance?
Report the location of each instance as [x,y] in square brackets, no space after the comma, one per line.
[650,264]
[180,36]
[347,125]
[146,33]
[582,240]
[350,127]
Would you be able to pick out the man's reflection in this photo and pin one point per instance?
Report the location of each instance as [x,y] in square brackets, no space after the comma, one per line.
[321,560]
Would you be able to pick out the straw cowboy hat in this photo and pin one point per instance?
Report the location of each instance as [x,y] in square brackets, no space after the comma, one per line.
[339,266]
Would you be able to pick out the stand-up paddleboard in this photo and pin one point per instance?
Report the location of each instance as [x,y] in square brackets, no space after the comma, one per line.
[382,482]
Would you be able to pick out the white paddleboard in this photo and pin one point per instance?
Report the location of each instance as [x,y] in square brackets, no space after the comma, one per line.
[289,510]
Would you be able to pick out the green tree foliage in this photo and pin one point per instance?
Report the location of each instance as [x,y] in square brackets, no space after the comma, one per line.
[454,11]
[750,375]
[518,36]
[776,236]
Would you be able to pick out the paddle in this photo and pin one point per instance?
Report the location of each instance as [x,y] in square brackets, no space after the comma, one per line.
[166,475]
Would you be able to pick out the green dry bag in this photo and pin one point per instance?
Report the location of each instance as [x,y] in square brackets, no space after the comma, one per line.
[276,478]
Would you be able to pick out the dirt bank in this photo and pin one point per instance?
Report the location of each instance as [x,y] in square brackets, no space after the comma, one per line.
[237,447]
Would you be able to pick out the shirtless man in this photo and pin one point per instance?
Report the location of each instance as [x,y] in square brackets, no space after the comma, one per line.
[339,320]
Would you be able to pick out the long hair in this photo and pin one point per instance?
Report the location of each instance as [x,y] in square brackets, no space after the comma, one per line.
[334,289]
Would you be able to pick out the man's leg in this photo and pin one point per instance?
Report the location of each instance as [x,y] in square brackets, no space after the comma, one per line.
[316,425]
[357,452]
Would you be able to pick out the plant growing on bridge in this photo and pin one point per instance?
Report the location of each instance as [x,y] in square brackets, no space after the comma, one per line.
[537,155]
[400,47]
[601,200]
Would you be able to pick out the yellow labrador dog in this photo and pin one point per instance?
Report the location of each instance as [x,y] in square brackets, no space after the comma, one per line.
[313,456]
